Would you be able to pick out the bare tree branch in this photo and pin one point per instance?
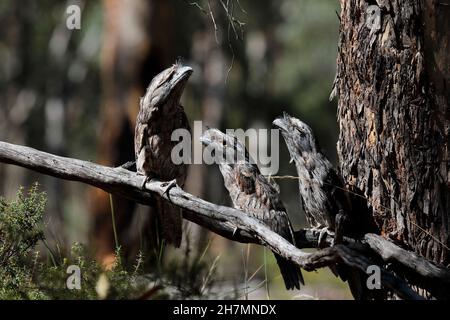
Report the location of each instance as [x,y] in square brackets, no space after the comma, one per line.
[417,264]
[228,222]
[409,265]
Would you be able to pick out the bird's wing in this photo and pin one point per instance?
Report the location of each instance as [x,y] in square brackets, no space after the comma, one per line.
[245,179]
[270,196]
[261,198]
[147,110]
[140,137]
[252,193]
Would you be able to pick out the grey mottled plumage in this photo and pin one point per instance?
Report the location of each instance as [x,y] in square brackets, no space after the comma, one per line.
[159,115]
[320,187]
[326,202]
[252,193]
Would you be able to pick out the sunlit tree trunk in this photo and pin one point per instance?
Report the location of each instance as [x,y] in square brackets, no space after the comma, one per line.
[394,117]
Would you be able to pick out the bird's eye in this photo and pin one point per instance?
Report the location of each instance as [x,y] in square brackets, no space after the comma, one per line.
[302,134]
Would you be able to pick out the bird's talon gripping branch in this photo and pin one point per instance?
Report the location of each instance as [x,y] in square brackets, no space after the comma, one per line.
[322,241]
[169,185]
[146,179]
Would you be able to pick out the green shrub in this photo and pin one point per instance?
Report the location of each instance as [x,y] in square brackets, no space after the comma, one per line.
[19,233]
[26,273]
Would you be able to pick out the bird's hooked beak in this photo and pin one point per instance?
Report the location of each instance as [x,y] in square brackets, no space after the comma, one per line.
[205,140]
[282,122]
[210,136]
[174,84]
[179,78]
[166,88]
[181,74]
[213,135]
[225,146]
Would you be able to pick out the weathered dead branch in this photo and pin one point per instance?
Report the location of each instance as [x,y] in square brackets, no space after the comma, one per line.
[228,222]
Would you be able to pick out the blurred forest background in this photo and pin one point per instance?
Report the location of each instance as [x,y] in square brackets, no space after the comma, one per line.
[76,93]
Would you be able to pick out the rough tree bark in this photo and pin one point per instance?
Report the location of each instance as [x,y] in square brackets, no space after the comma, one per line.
[394,117]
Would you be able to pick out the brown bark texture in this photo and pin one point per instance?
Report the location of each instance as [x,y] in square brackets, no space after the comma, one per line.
[392,81]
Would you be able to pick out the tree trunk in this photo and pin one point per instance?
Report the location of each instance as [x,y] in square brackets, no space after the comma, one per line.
[128,63]
[394,117]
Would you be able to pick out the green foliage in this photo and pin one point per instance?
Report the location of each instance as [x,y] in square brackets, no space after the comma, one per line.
[19,233]
[96,283]
[191,277]
[26,273]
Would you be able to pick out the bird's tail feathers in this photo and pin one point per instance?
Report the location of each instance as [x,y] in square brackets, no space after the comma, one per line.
[292,275]
[170,222]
